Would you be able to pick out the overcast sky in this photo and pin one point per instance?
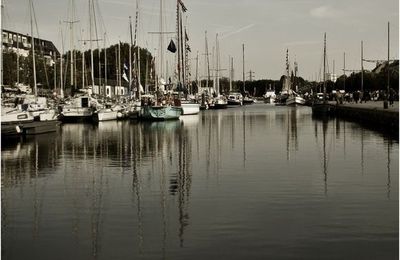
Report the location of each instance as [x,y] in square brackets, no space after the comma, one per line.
[266,27]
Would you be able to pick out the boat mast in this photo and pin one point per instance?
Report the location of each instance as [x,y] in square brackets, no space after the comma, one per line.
[197,71]
[61,64]
[33,48]
[83,63]
[183,47]
[244,80]
[230,74]
[105,61]
[388,72]
[287,87]
[344,71]
[130,57]
[91,49]
[17,59]
[1,43]
[362,68]
[208,62]
[324,67]
[119,64]
[161,58]
[217,64]
[71,44]
[138,50]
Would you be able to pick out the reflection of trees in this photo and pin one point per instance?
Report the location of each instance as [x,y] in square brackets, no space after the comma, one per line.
[24,159]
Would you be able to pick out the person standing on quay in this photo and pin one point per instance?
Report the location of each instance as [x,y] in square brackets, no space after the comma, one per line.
[391,96]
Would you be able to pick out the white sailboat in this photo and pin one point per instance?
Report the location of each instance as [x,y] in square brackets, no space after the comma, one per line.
[189,106]
[234,98]
[293,98]
[220,101]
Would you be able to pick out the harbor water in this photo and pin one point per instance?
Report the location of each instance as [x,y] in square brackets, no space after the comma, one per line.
[251,182]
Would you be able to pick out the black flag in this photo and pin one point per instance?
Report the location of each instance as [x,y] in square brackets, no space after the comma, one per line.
[184,9]
[171,46]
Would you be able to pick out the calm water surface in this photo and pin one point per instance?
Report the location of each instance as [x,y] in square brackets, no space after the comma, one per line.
[256,182]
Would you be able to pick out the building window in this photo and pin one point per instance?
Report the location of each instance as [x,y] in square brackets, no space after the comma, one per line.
[108,91]
[122,91]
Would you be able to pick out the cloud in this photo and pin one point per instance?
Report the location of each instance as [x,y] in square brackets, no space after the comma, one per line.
[237,31]
[324,12]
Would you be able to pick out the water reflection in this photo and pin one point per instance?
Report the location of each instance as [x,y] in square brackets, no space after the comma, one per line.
[160,190]
[323,123]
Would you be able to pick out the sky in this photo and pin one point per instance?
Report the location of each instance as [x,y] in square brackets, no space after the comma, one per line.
[266,27]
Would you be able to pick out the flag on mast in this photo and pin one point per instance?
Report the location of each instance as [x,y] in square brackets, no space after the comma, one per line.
[182,5]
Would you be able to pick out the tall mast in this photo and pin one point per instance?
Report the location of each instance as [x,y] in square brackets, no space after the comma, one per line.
[17,59]
[33,48]
[362,68]
[116,65]
[54,71]
[208,62]
[130,57]
[344,71]
[183,47]
[244,80]
[105,61]
[119,63]
[388,73]
[230,74]
[71,44]
[83,63]
[146,72]
[61,64]
[197,71]
[91,49]
[138,50]
[217,63]
[161,72]
[324,67]
[1,43]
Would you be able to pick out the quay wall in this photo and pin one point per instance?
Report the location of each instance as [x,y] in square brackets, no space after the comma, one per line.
[386,120]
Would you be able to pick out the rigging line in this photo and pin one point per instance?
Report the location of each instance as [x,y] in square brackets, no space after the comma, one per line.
[100,17]
[95,26]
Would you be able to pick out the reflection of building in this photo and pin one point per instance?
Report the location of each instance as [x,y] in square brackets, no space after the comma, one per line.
[20,43]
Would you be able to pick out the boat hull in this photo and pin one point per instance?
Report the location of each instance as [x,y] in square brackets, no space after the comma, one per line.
[105,115]
[190,108]
[232,102]
[160,113]
[29,128]
[321,109]
[75,115]
[294,101]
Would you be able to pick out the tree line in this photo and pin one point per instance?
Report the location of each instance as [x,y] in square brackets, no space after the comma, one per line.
[46,74]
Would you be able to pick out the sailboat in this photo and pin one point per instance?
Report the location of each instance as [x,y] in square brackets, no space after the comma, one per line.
[220,101]
[322,108]
[189,105]
[81,108]
[293,98]
[159,111]
[234,98]
[32,116]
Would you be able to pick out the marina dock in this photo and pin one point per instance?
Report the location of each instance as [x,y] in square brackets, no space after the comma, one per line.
[371,113]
